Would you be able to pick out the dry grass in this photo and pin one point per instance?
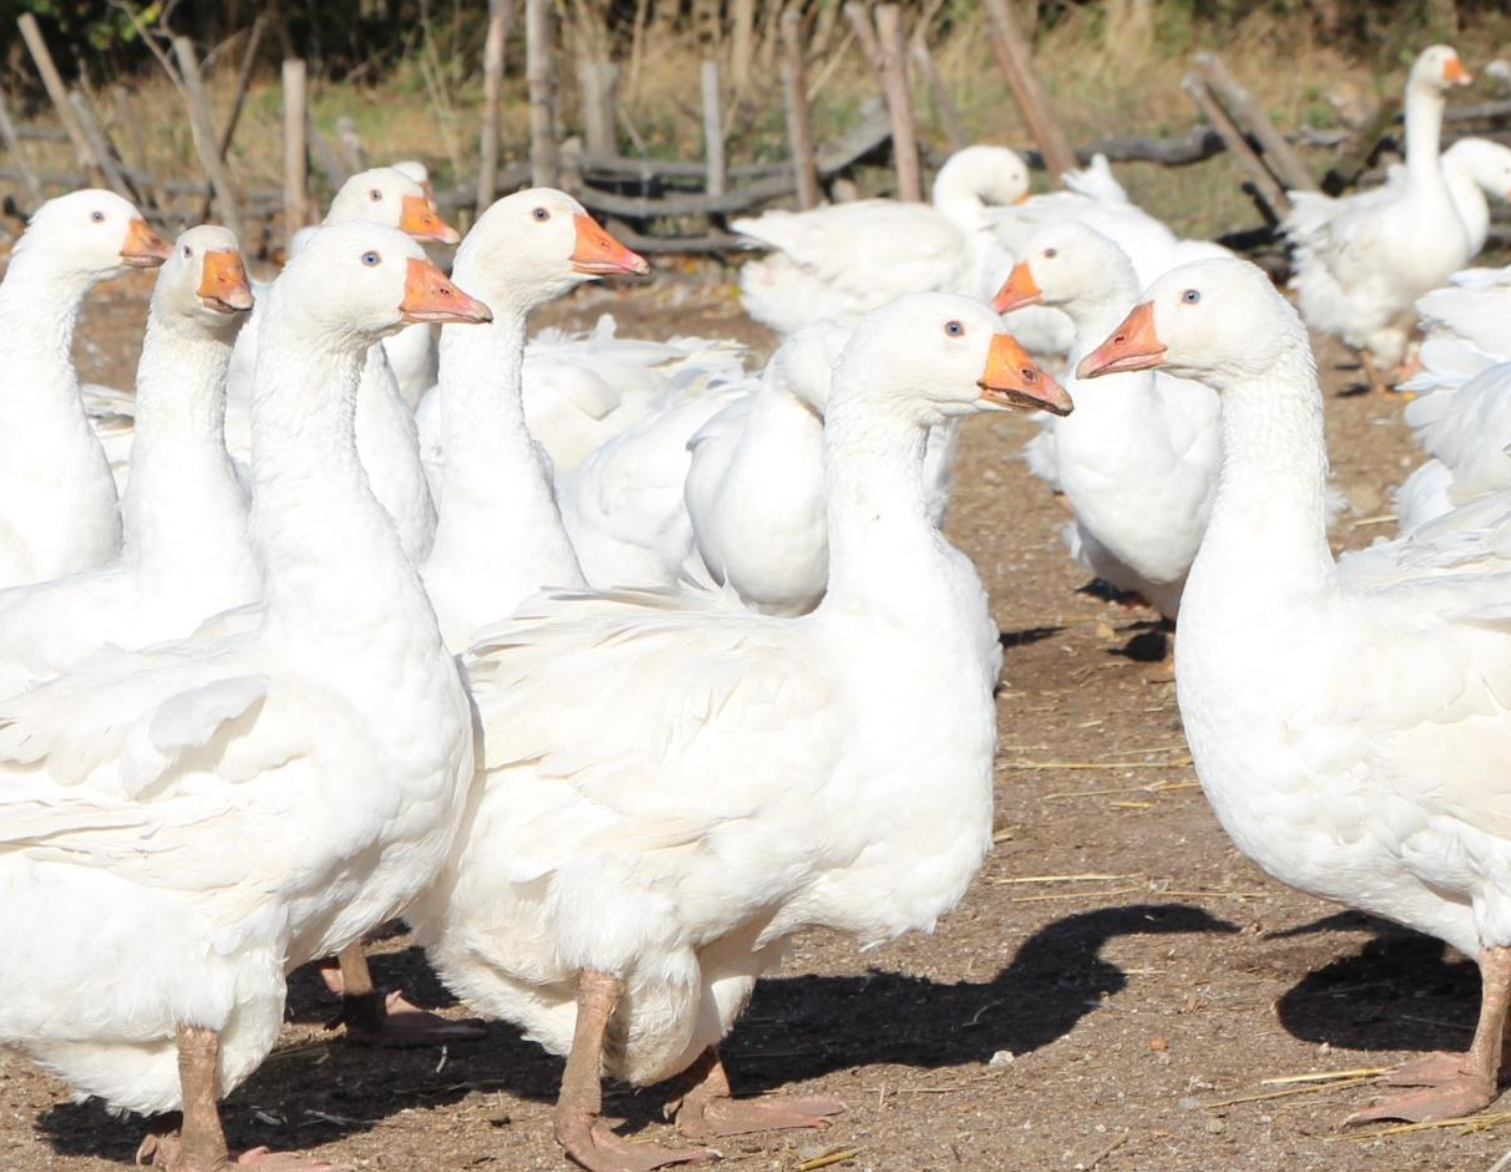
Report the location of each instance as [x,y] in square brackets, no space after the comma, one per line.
[1112,70]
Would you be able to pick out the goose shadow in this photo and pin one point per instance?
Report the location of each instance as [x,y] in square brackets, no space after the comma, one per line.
[796,1029]
[1400,991]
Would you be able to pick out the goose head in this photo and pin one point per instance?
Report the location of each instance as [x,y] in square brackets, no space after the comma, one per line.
[1438,69]
[386,195]
[935,356]
[358,283]
[91,236]
[204,281]
[536,245]
[1221,322]
[981,175]
[1065,264]
[1487,163]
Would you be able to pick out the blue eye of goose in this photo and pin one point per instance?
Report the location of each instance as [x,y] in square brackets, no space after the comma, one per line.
[954,329]
[370,259]
[1191,296]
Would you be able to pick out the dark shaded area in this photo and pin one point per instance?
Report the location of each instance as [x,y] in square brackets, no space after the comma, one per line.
[1027,635]
[1401,991]
[795,1029]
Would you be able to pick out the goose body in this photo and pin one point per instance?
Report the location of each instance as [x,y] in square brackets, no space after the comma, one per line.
[59,511]
[754,487]
[1138,460]
[336,737]
[186,554]
[1362,261]
[615,846]
[842,261]
[1351,733]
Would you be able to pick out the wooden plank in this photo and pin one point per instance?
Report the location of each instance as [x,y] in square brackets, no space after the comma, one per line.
[1249,114]
[894,75]
[1014,53]
[717,181]
[57,93]
[202,131]
[18,156]
[295,148]
[545,163]
[1271,194]
[99,146]
[323,154]
[353,152]
[944,106]
[500,14]
[799,129]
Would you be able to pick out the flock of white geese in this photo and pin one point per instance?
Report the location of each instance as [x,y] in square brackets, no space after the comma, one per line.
[611,666]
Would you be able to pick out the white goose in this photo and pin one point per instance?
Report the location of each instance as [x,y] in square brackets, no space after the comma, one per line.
[636,862]
[842,261]
[1465,430]
[1352,736]
[58,504]
[1138,460]
[386,435]
[185,554]
[500,538]
[337,738]
[1362,261]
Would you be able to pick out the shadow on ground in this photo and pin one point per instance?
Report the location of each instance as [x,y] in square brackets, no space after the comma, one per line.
[796,1029]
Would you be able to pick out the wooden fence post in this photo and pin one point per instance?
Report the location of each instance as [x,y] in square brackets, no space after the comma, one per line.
[597,79]
[1270,192]
[1281,156]
[202,130]
[742,46]
[799,130]
[99,146]
[1014,54]
[53,83]
[295,148]
[499,12]
[18,156]
[545,162]
[894,77]
[944,106]
[859,17]
[713,130]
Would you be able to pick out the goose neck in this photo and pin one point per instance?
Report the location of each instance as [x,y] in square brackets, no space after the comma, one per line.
[885,556]
[339,589]
[500,529]
[1424,131]
[39,311]
[1268,528]
[184,498]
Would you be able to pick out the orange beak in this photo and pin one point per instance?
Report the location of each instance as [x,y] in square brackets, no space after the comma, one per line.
[1020,290]
[421,220]
[1454,72]
[599,255]
[1013,379]
[223,285]
[1133,346]
[144,248]
[429,296]
[1024,198]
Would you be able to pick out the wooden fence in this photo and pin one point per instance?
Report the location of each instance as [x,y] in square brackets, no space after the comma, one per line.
[653,201]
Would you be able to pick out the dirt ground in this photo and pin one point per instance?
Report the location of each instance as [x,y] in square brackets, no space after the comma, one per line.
[1112,994]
